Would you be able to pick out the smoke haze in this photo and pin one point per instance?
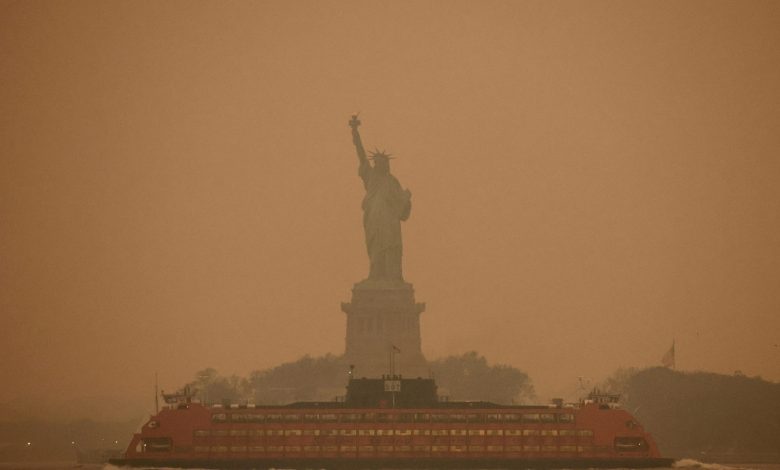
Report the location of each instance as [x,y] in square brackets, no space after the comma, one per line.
[591,180]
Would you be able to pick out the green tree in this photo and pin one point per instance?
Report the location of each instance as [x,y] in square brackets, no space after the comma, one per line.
[210,387]
[470,377]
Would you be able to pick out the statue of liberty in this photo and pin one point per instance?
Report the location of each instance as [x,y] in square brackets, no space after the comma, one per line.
[385,205]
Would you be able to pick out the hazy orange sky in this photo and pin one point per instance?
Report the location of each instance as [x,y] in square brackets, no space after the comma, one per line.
[591,180]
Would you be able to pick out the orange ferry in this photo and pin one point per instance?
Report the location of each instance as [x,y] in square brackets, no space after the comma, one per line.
[393,422]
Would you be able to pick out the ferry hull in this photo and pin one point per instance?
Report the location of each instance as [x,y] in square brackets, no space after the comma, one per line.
[357,464]
[420,433]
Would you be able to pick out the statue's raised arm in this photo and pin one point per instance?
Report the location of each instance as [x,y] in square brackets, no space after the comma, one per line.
[361,152]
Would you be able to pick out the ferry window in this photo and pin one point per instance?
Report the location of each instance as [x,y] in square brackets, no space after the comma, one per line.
[201,433]
[422,448]
[495,432]
[439,432]
[219,417]
[292,448]
[565,418]
[274,448]
[457,448]
[310,417]
[630,444]
[274,418]
[421,432]
[457,418]
[219,448]
[585,432]
[495,448]
[329,417]
[274,432]
[238,449]
[439,418]
[513,432]
[530,418]
[384,432]
[348,448]
[292,432]
[254,418]
[369,417]
[157,444]
[493,418]
[529,448]
[549,448]
[292,418]
[406,417]
[476,432]
[439,448]
[403,432]
[366,432]
[350,417]
[385,417]
[219,432]
[422,417]
[403,448]
[547,418]
[366,448]
[385,448]
[510,417]
[457,432]
[257,449]
[330,448]
[514,448]
[549,432]
[257,432]
[237,418]
[330,432]
[348,432]
[530,432]
[567,432]
[201,448]
[477,448]
[311,448]
[584,448]
[311,432]
[475,418]
[568,448]
[238,432]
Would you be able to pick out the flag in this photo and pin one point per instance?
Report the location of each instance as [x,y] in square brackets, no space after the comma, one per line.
[668,359]
[395,349]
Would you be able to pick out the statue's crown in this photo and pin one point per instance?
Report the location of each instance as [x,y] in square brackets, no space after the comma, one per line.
[380,154]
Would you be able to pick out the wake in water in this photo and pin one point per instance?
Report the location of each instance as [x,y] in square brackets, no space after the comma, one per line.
[691,463]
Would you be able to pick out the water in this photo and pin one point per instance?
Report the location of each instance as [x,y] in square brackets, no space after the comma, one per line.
[682,464]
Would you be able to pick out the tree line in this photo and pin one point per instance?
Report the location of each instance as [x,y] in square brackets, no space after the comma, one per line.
[703,415]
[465,377]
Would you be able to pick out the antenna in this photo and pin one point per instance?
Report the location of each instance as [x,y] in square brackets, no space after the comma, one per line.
[156,396]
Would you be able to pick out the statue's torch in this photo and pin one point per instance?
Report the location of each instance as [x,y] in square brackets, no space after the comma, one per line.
[354,122]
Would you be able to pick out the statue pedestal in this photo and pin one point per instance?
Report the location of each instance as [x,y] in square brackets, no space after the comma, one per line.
[383,314]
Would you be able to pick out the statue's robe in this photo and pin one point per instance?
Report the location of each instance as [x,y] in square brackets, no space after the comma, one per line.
[385,205]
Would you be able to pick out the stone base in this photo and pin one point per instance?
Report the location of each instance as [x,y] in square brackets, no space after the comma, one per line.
[383,314]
